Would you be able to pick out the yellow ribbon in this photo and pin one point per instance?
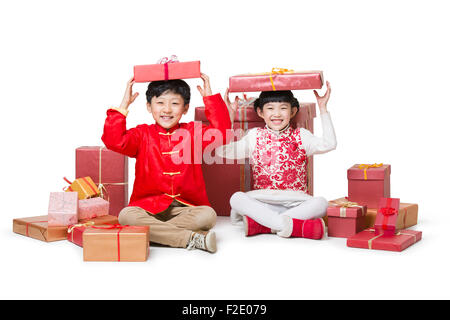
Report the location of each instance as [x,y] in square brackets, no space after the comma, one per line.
[369,242]
[367,166]
[277,71]
[86,224]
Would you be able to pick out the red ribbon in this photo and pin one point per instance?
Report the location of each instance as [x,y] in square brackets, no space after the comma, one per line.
[387,212]
[166,71]
[120,227]
[27,223]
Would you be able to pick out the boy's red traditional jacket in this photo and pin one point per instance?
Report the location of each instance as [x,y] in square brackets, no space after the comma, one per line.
[159,179]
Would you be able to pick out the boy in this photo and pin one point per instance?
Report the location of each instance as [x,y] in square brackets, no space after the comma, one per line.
[169,196]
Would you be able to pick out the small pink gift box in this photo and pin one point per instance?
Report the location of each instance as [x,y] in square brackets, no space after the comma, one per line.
[167,71]
[92,208]
[63,208]
[345,218]
[367,183]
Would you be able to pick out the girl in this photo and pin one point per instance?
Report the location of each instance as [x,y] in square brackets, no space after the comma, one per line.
[278,154]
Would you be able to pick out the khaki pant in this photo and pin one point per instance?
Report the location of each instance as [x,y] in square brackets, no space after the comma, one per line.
[173,226]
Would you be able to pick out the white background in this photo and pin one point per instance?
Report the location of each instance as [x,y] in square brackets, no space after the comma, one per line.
[63,64]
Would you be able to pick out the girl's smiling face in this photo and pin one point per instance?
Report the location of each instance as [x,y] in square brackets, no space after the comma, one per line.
[277,115]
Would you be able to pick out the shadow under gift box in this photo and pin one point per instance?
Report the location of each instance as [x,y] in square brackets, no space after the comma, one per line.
[108,170]
[367,186]
[116,243]
[222,180]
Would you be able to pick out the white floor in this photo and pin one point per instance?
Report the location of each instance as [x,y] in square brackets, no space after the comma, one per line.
[259,267]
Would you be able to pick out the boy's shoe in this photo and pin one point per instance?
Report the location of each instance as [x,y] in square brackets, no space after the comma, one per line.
[205,242]
[296,228]
[252,227]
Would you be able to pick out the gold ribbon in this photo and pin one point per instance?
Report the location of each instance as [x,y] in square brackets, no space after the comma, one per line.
[367,166]
[101,186]
[278,71]
[343,204]
[369,242]
[407,234]
[86,224]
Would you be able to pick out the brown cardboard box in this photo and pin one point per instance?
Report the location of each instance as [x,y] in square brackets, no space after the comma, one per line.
[116,243]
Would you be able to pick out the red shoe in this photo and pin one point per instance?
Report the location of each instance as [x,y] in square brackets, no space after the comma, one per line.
[252,227]
[310,229]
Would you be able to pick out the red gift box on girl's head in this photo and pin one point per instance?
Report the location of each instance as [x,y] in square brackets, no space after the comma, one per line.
[109,170]
[345,218]
[367,183]
[386,219]
[167,69]
[277,79]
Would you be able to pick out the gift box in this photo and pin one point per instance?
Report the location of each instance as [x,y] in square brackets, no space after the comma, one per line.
[236,175]
[386,219]
[85,187]
[401,240]
[37,228]
[367,183]
[345,218]
[91,208]
[63,208]
[75,232]
[277,79]
[116,243]
[109,170]
[407,216]
[167,71]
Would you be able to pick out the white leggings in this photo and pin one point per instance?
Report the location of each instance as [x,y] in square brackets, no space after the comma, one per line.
[271,215]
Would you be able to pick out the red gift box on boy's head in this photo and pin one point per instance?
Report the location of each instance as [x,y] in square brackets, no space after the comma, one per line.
[109,170]
[386,219]
[367,183]
[167,69]
[277,79]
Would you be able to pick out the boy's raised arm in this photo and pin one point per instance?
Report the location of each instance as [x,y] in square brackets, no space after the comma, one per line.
[115,136]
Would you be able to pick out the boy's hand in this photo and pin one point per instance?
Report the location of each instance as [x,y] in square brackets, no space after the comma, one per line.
[323,100]
[232,106]
[128,97]
[206,91]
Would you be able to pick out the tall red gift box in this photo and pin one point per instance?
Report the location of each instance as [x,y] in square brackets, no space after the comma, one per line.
[367,183]
[234,176]
[345,218]
[367,239]
[386,219]
[109,170]
[167,71]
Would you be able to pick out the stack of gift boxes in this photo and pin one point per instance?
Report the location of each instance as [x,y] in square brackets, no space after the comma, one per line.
[368,217]
[86,212]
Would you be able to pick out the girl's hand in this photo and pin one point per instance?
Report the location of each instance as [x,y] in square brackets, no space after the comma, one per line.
[323,100]
[206,91]
[232,106]
[128,97]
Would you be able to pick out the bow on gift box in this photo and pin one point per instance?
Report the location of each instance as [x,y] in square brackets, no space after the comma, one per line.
[367,166]
[387,212]
[344,204]
[165,61]
[278,71]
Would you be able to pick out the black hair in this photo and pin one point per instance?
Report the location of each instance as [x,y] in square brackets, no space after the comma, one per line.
[157,88]
[275,96]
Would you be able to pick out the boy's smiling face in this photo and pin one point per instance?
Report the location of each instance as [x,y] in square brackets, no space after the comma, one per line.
[167,109]
[277,115]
